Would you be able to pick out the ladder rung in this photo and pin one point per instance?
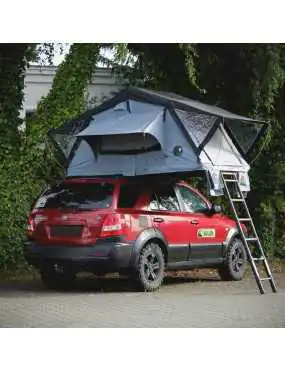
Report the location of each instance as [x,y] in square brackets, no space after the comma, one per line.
[258,259]
[234,194]
[251,239]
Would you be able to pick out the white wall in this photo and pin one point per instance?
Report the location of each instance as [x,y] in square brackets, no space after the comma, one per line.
[38,81]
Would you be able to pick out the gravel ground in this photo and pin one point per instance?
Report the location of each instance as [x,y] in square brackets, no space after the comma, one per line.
[182,301]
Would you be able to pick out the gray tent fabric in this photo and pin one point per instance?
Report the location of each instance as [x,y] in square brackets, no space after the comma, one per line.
[202,107]
[117,159]
[234,123]
[141,132]
[118,122]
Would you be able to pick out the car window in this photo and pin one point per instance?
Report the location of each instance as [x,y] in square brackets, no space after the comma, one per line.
[129,194]
[193,203]
[81,196]
[164,199]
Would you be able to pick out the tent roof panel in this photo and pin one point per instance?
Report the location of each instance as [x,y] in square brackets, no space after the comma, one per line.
[190,104]
[126,123]
[132,121]
[120,123]
[159,98]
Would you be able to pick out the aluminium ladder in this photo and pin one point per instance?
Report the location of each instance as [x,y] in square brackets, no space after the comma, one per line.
[231,183]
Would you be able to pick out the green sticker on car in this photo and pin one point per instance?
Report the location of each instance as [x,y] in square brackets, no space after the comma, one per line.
[206,232]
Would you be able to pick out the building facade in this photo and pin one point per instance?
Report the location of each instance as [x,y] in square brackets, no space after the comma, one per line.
[38,82]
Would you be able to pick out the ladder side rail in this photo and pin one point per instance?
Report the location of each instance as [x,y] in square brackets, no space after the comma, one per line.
[250,257]
[261,250]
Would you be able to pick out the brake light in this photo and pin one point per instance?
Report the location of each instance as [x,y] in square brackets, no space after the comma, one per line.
[30,228]
[113,225]
[39,218]
[32,223]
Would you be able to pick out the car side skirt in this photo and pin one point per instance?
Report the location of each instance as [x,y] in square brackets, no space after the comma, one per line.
[195,263]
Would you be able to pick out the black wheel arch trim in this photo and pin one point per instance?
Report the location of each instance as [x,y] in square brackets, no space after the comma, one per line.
[144,237]
[232,234]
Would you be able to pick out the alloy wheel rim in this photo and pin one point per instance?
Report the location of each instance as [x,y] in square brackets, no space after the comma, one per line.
[151,267]
[237,259]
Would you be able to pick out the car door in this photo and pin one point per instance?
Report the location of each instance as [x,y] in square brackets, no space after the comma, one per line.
[206,232]
[167,216]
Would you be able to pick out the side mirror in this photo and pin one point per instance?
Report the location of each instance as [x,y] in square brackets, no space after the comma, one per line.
[216,209]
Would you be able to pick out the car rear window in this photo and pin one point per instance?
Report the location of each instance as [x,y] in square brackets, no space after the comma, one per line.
[82,196]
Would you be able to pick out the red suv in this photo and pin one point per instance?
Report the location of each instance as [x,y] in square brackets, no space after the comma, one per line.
[137,228]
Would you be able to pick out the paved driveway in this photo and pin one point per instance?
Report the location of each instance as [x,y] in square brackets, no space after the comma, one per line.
[181,302]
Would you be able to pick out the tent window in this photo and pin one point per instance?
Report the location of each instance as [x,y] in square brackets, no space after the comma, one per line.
[198,125]
[128,144]
[65,143]
[244,133]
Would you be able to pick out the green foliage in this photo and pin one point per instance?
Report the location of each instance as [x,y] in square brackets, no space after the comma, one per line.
[67,96]
[25,168]
[13,62]
[16,194]
[166,67]
[93,101]
[64,101]
[190,57]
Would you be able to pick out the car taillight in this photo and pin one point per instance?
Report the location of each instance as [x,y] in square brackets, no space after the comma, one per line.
[32,223]
[113,225]
[30,227]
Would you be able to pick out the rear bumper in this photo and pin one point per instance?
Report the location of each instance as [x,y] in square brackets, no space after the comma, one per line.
[106,255]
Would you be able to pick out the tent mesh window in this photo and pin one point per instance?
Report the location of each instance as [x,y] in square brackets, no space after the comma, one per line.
[64,136]
[124,144]
[244,133]
[198,125]
[65,143]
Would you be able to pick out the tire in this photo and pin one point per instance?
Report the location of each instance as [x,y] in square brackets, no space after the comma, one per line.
[236,261]
[57,280]
[151,267]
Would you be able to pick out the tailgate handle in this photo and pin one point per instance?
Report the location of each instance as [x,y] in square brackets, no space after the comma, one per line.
[158,220]
[194,221]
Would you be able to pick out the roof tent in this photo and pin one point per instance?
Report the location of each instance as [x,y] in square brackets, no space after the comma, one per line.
[142,132]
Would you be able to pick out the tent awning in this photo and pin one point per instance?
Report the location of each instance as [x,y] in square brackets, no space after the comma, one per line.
[122,123]
[124,130]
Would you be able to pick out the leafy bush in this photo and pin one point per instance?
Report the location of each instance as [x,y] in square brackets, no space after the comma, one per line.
[17,191]
[25,168]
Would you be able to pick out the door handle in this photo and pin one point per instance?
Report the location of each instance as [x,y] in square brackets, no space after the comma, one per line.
[158,220]
[194,221]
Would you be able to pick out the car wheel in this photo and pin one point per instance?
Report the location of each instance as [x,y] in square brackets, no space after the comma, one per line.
[236,261]
[55,278]
[151,266]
